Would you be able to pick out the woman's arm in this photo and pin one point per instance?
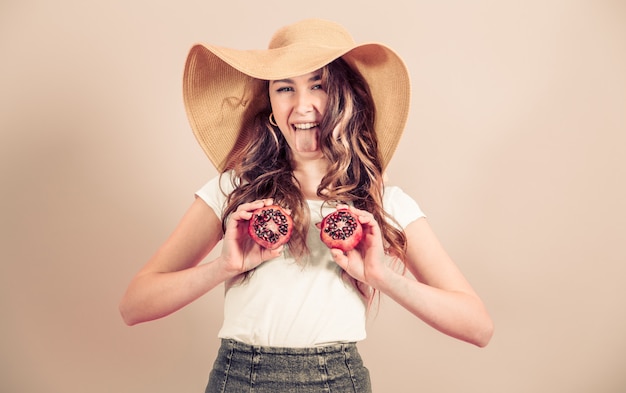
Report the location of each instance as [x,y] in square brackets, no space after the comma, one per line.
[441,296]
[174,277]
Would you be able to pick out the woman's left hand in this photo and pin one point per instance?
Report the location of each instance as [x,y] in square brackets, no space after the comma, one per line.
[365,263]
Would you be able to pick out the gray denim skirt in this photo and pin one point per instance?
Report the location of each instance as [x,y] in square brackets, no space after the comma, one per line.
[336,368]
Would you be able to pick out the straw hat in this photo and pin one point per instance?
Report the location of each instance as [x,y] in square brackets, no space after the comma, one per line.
[223,88]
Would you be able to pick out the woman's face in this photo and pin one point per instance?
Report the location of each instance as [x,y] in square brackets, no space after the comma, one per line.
[298,104]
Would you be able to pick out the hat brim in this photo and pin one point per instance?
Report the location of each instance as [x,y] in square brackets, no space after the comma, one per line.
[223,90]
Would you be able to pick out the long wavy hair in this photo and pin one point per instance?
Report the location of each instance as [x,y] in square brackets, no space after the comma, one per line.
[348,140]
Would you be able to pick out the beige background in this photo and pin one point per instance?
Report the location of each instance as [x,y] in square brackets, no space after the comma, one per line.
[514,148]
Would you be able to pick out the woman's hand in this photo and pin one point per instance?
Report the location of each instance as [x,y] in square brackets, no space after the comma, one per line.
[365,263]
[239,252]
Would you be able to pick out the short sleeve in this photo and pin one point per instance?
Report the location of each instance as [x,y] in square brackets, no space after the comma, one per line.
[214,192]
[401,206]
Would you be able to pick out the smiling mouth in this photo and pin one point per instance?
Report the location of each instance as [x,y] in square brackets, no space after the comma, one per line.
[305,126]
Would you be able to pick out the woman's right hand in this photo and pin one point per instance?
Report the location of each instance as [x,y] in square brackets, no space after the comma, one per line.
[239,252]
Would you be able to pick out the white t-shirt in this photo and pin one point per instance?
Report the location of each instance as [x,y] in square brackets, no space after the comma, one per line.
[286,303]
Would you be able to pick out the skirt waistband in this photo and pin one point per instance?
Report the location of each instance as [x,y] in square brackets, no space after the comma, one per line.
[322,349]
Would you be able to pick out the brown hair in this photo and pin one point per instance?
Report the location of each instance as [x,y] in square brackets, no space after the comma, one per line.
[348,141]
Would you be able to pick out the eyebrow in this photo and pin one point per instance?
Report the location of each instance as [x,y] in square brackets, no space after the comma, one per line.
[314,78]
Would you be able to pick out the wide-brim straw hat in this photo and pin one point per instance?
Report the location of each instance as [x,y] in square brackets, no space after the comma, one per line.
[223,88]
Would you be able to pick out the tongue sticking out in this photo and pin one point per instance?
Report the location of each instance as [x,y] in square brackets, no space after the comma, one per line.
[306,140]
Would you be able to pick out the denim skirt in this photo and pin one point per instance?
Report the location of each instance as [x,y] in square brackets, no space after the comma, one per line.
[336,368]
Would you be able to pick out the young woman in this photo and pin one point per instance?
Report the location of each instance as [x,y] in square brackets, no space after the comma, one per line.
[309,124]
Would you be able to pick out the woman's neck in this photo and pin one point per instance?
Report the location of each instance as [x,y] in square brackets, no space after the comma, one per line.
[309,175]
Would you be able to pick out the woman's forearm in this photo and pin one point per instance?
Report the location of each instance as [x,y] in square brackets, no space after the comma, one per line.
[457,314]
[153,295]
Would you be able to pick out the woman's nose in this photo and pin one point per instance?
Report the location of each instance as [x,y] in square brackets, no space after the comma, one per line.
[304,103]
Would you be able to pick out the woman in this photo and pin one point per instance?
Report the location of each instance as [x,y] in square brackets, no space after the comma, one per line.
[309,124]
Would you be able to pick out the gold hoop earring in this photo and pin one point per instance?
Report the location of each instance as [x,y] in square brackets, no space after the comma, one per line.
[273,120]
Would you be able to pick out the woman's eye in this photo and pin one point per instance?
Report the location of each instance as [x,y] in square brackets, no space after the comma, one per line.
[284,89]
[317,87]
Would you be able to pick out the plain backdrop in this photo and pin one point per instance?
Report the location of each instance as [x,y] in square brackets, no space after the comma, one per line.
[514,149]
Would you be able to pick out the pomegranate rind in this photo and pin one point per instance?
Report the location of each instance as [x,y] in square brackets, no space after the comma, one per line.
[270,226]
[341,229]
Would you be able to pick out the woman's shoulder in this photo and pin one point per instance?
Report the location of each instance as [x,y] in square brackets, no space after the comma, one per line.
[401,206]
[394,194]
[215,191]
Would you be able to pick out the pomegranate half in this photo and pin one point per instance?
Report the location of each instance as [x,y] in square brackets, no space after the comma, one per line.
[270,226]
[341,229]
